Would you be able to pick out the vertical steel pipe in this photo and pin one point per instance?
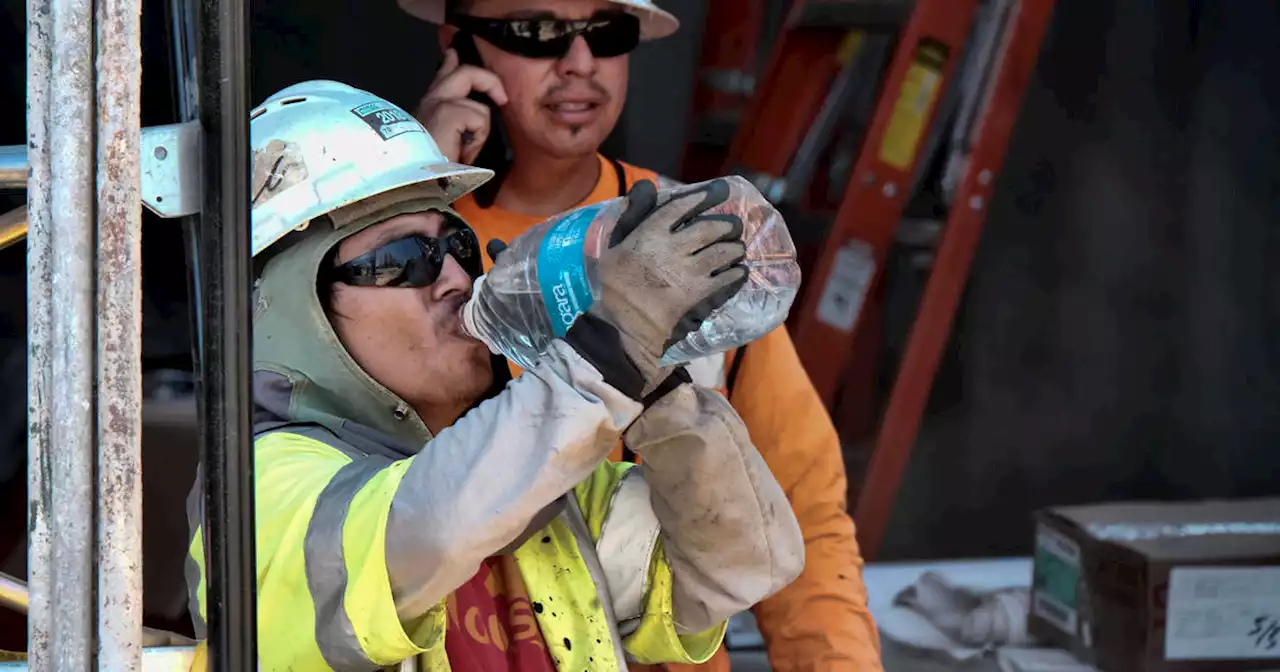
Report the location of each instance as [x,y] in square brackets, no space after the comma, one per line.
[183,21]
[225,267]
[39,339]
[71,455]
[119,326]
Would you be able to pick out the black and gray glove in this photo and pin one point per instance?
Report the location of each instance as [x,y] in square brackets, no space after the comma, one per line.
[667,267]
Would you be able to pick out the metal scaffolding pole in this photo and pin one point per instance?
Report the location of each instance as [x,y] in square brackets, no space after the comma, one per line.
[119,75]
[67,492]
[84,331]
[225,267]
[39,335]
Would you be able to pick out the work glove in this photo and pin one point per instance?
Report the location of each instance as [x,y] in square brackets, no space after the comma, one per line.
[494,248]
[667,267]
[729,535]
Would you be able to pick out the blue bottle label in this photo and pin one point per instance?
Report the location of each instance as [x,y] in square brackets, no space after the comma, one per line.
[562,272]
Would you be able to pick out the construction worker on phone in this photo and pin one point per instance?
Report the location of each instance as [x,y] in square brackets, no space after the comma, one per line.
[530,89]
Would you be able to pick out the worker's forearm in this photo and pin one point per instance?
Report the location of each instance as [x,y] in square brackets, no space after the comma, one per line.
[729,535]
[473,489]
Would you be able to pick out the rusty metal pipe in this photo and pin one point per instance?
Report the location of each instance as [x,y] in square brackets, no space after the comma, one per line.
[119,328]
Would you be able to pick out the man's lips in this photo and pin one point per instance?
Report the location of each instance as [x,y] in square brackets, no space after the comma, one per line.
[574,112]
[449,316]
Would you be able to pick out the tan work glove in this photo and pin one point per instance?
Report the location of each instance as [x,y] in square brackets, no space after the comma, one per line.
[668,265]
[728,532]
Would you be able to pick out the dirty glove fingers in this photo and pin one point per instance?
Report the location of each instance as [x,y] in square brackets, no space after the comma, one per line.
[726,284]
[716,259]
[641,199]
[703,231]
[734,222]
[494,248]
[688,204]
[671,216]
[672,260]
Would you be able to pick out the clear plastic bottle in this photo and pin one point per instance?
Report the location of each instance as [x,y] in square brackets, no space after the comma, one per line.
[519,308]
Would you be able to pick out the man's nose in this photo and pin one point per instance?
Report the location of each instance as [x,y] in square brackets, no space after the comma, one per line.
[453,280]
[578,60]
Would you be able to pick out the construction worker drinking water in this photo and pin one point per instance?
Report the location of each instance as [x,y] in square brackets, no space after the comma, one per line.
[408,503]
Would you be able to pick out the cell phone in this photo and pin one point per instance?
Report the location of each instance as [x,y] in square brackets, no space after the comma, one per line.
[496,152]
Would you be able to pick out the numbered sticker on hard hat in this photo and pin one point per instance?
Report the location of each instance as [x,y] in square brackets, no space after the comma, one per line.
[387,120]
[846,286]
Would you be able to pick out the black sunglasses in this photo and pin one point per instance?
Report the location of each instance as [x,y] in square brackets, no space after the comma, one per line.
[608,34]
[413,261]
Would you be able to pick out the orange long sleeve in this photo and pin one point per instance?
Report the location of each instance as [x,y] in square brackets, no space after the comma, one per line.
[821,621]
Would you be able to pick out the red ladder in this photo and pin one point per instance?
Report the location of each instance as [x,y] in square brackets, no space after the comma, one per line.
[818,65]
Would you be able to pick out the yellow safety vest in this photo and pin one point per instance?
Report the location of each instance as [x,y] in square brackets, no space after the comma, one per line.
[293,626]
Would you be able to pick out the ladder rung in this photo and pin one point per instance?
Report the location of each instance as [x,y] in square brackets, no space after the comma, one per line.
[869,15]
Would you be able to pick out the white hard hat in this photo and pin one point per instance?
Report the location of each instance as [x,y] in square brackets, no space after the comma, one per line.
[654,22]
[321,145]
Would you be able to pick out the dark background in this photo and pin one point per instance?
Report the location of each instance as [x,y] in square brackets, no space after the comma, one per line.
[1120,337]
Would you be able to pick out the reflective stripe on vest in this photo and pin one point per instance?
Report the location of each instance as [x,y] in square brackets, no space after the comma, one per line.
[566,572]
[327,567]
[314,612]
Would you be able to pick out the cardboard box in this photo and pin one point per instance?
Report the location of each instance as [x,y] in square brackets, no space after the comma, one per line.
[1161,587]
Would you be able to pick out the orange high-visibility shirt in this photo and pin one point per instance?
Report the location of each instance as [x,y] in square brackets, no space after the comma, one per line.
[821,621]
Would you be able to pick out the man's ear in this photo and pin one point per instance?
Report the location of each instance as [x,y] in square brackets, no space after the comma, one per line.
[445,34]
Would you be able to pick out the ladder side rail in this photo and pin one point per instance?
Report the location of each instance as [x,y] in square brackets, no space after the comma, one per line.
[800,69]
[1014,67]
[853,255]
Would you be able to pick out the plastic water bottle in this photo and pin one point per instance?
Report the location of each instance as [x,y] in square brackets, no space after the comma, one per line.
[534,297]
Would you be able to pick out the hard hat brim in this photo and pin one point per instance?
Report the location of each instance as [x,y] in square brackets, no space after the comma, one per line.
[458,181]
[655,23]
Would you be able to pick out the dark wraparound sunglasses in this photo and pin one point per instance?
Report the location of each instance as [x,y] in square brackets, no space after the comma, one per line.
[608,34]
[413,261]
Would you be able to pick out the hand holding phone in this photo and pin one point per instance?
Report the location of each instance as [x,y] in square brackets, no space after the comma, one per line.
[460,107]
